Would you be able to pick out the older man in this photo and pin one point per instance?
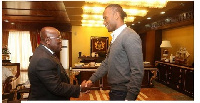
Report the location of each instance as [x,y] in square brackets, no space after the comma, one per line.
[48,79]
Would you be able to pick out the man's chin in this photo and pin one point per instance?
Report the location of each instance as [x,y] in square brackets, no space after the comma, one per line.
[58,50]
[109,31]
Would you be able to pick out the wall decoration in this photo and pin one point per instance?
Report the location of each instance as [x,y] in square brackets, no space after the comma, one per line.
[99,44]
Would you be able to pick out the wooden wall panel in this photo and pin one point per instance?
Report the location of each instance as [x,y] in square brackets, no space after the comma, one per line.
[158,41]
[63,27]
[4,38]
[150,46]
[143,38]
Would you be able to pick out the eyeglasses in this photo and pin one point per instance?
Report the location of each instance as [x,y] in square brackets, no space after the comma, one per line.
[58,38]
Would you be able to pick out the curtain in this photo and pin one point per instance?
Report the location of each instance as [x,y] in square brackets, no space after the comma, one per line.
[34,40]
[5,38]
[20,47]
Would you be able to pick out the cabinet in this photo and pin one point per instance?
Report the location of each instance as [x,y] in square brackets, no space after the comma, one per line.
[85,75]
[163,73]
[86,72]
[175,77]
[180,78]
[188,83]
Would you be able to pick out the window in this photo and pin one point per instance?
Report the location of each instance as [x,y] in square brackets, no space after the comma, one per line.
[20,48]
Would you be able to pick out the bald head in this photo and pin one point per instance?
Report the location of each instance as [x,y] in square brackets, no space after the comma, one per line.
[47,31]
[51,38]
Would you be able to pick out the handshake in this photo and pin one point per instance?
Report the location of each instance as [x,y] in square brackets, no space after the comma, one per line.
[85,86]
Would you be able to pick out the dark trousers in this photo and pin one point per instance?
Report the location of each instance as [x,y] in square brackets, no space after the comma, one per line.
[117,95]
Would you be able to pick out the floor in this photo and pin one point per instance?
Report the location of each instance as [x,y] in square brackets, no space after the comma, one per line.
[156,93]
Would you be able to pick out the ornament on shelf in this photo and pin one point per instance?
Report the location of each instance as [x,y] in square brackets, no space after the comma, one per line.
[5,53]
[182,56]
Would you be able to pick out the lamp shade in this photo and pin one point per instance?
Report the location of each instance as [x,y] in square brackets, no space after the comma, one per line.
[166,44]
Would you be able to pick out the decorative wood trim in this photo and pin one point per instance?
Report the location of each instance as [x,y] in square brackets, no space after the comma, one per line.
[183,19]
[63,27]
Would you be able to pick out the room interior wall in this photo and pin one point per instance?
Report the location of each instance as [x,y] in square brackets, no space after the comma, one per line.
[181,37]
[150,46]
[81,39]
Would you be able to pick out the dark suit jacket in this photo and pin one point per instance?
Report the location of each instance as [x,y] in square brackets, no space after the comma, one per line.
[48,78]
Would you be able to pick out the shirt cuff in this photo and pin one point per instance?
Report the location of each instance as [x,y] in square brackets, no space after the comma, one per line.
[80,88]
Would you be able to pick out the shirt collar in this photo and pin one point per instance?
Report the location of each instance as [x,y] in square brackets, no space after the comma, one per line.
[117,32]
[48,49]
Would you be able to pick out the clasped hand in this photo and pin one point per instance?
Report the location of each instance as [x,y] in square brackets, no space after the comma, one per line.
[86,85]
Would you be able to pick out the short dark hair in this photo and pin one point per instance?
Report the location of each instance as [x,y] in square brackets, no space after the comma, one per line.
[118,8]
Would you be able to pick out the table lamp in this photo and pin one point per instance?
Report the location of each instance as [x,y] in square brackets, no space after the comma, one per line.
[165,44]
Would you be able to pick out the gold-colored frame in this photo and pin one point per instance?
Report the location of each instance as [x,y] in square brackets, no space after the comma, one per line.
[99,44]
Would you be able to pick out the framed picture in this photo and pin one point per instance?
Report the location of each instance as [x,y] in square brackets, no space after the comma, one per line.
[99,44]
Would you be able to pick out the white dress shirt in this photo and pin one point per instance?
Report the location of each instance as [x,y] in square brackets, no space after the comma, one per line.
[48,49]
[117,32]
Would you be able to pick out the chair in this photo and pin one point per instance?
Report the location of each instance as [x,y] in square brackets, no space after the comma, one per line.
[9,86]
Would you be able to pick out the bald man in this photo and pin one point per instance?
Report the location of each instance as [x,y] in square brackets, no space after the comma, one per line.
[48,79]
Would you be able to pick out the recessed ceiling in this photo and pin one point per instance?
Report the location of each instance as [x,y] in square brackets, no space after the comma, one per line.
[71,11]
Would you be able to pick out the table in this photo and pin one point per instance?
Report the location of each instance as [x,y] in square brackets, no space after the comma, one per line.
[149,74]
[85,72]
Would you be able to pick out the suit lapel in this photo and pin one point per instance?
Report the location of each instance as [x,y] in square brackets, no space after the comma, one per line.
[61,70]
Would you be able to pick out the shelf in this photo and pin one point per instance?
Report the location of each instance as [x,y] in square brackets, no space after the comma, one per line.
[91,59]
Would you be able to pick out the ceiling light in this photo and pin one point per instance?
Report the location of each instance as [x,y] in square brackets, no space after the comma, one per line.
[92,12]
[91,22]
[6,21]
[135,12]
[94,15]
[99,11]
[162,12]
[12,23]
[149,18]
[129,19]
[138,3]
[93,25]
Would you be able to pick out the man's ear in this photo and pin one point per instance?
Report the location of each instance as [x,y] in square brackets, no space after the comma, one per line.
[117,15]
[47,41]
